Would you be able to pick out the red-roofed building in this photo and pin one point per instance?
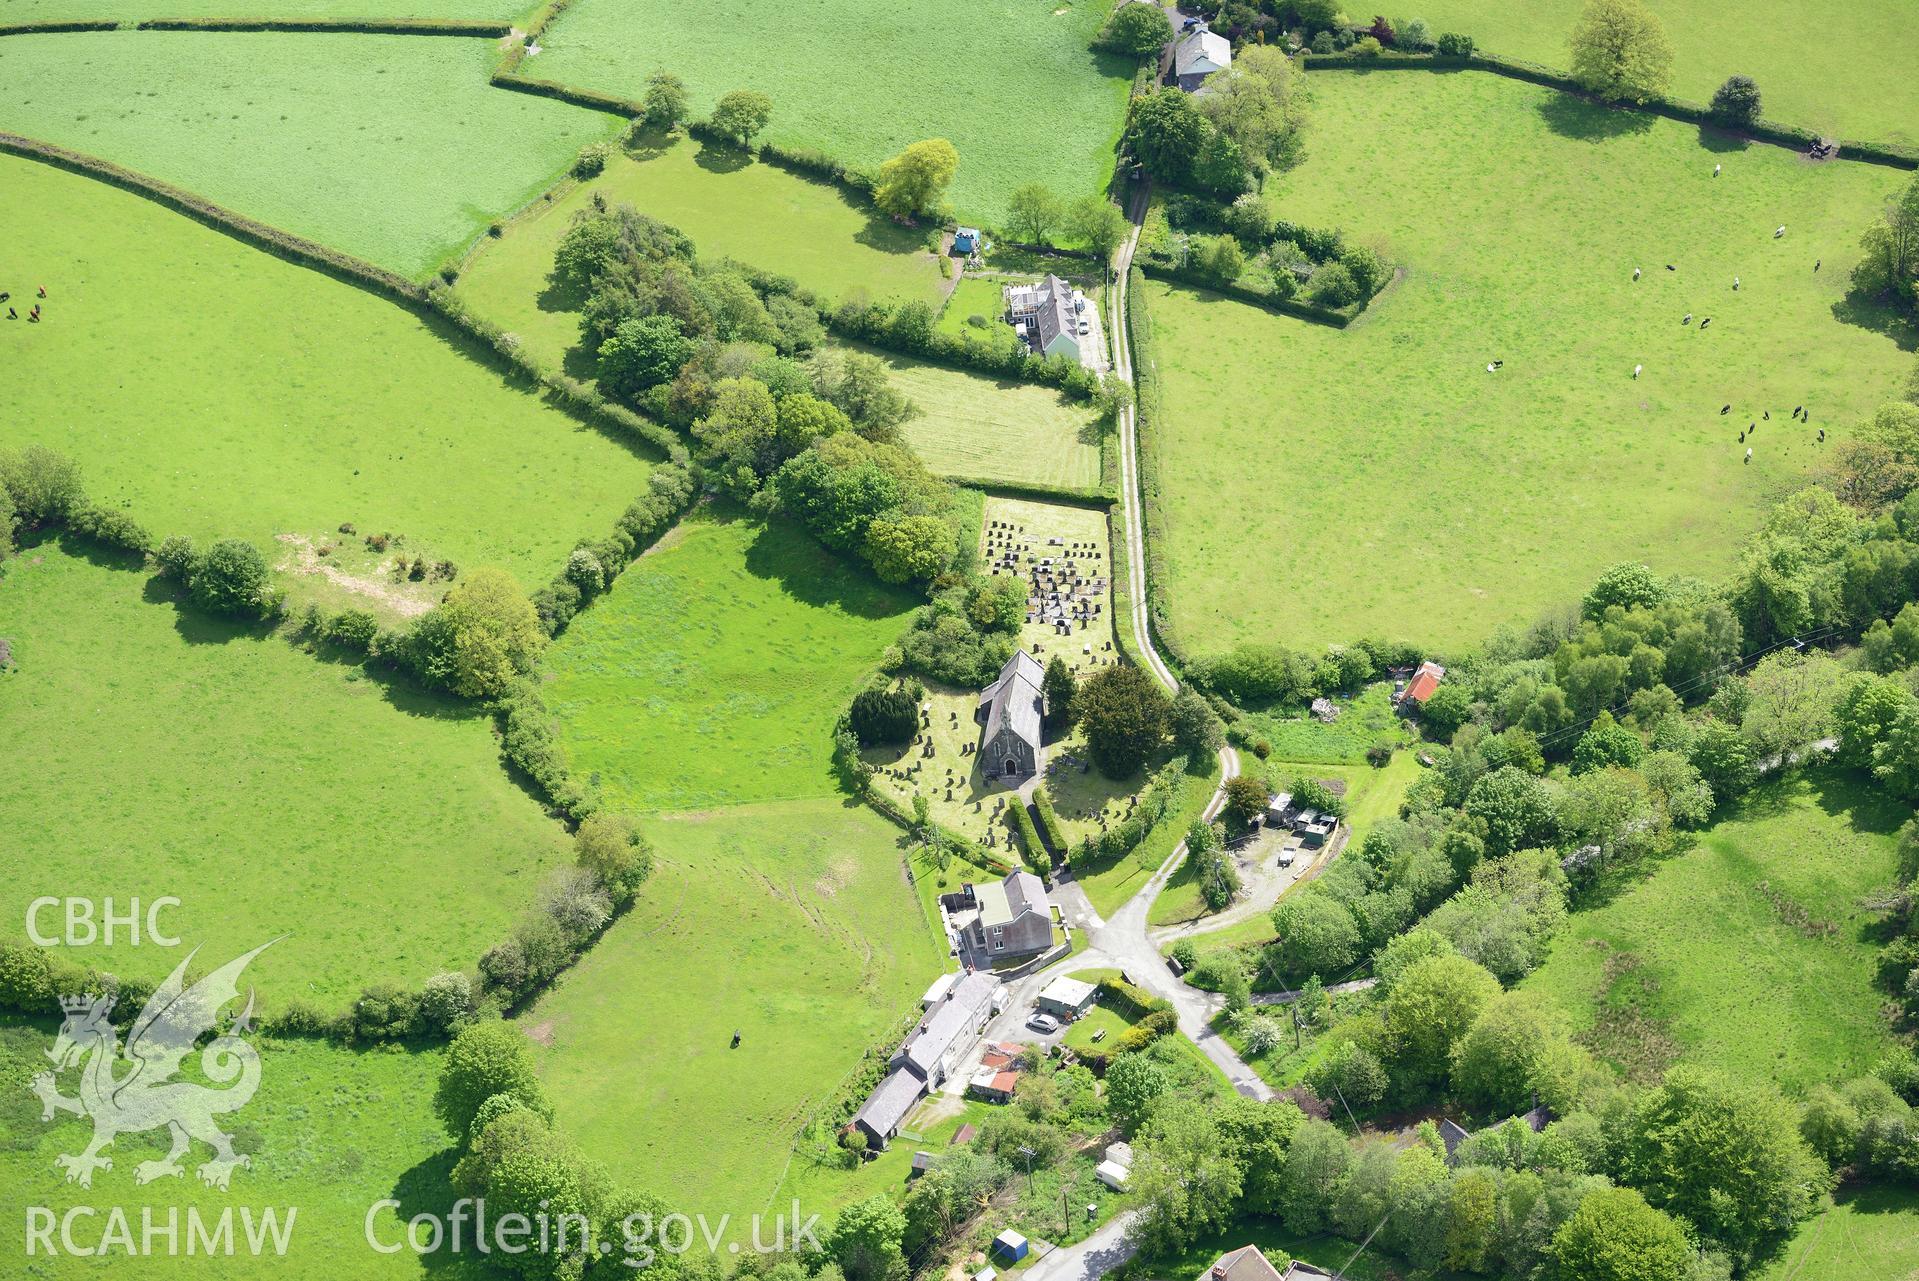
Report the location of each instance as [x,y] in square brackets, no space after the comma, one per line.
[1421,686]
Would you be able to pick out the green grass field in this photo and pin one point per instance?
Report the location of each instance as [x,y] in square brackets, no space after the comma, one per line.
[967,76]
[792,923]
[758,213]
[1750,952]
[714,670]
[390,147]
[330,1132]
[1870,1234]
[218,391]
[271,793]
[13,11]
[1837,71]
[1324,484]
[988,429]
[1365,721]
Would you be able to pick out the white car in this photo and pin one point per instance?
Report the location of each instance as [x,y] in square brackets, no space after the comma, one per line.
[1084,326]
[1044,1024]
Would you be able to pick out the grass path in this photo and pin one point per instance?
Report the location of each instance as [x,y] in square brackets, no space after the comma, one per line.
[1378,480]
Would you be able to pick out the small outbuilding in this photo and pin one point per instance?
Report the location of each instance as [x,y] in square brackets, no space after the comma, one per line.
[1247,1263]
[938,990]
[1421,687]
[1112,1174]
[966,240]
[1010,1246]
[1068,998]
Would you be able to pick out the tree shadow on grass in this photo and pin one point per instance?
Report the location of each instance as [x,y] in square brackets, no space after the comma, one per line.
[719,157]
[650,144]
[813,575]
[1843,794]
[1571,116]
[427,1188]
[1719,141]
[1866,313]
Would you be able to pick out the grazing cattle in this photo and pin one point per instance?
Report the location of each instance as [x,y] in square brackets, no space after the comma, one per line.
[1779,231]
[1636,369]
[1635,273]
[1670,267]
[12,314]
[1724,410]
[1735,284]
[1798,410]
[1748,453]
[1822,435]
[1715,171]
[43,291]
[1766,416]
[1815,265]
[1687,320]
[1742,437]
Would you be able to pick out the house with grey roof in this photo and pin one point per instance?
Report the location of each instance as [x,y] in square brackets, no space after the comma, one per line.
[1046,316]
[1198,54]
[943,1037]
[1009,714]
[1007,919]
[949,1029]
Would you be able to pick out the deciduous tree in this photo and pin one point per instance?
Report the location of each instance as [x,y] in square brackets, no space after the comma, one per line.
[1620,51]
[913,183]
[742,114]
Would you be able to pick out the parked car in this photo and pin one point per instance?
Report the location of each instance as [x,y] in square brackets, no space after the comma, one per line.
[1084,327]
[1044,1024]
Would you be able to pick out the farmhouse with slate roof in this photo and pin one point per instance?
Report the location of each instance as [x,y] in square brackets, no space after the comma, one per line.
[1003,919]
[1198,54]
[1045,316]
[1009,715]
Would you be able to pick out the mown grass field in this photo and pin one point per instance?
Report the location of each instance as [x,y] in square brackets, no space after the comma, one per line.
[217,391]
[13,11]
[1323,484]
[966,76]
[330,1132]
[1870,1234]
[760,214]
[1837,70]
[714,670]
[1749,953]
[173,754]
[1365,721]
[988,429]
[393,148]
[800,931]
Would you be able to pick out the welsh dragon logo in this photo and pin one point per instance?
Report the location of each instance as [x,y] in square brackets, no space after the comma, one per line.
[147,1096]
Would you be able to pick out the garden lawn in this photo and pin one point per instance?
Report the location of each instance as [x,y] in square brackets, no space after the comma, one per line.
[967,76]
[1835,70]
[714,670]
[1869,1234]
[987,429]
[731,207]
[1365,721]
[1750,953]
[1320,484]
[260,399]
[330,1132]
[271,793]
[393,148]
[792,924]
[1371,795]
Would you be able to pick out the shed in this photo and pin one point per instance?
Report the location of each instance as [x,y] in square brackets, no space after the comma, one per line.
[1112,1174]
[1010,1246]
[922,1162]
[1068,998]
[940,987]
[966,240]
[986,1274]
